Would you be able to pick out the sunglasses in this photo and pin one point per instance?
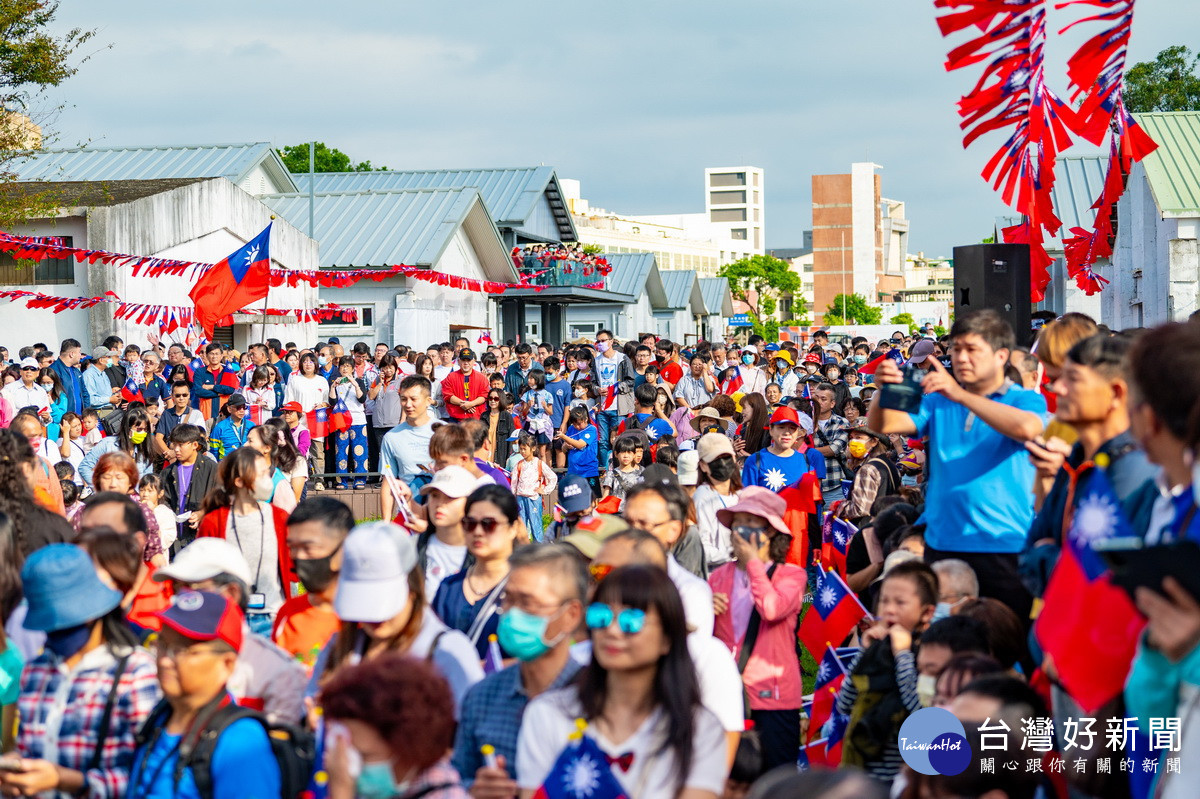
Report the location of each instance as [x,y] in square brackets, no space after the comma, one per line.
[488,525]
[629,621]
[599,570]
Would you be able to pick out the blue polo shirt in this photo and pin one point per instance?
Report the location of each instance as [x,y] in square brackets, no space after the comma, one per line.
[979,494]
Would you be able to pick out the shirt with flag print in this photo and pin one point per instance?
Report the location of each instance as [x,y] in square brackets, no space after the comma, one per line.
[776,472]
[640,768]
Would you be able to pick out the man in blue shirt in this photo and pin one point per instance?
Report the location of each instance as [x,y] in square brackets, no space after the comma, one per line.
[98,391]
[542,606]
[404,451]
[197,651]
[67,369]
[978,500]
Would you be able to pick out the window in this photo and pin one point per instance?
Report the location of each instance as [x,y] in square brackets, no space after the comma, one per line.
[46,272]
[728,215]
[737,233]
[727,179]
[366,318]
[726,197]
[587,329]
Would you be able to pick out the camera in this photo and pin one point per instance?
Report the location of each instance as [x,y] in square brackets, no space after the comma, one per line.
[903,396]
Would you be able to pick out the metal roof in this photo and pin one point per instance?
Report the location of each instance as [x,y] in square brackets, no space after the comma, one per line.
[1077,183]
[1173,170]
[231,161]
[718,300]
[681,288]
[386,228]
[511,195]
[633,274]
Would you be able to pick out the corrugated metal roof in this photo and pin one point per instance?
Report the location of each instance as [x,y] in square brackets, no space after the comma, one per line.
[231,161]
[1173,170]
[1077,184]
[510,194]
[384,228]
[717,298]
[633,274]
[681,288]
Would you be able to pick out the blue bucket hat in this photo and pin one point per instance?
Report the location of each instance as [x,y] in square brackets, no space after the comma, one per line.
[63,589]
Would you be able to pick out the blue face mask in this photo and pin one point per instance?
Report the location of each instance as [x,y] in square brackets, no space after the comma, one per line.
[68,642]
[523,635]
[860,359]
[908,480]
[322,360]
[940,611]
[748,359]
[376,781]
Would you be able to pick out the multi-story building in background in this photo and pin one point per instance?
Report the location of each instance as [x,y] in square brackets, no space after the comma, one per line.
[859,238]
[801,261]
[729,229]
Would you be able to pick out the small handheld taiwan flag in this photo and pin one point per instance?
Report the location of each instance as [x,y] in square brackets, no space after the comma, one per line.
[610,399]
[318,422]
[132,392]
[339,417]
[834,613]
[485,338]
[582,771]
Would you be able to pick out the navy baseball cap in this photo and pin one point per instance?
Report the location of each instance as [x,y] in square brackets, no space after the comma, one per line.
[772,348]
[575,494]
[204,616]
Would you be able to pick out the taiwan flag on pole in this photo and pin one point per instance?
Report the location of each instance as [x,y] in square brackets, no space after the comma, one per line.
[318,422]
[830,674]
[339,417]
[834,613]
[583,771]
[132,392]
[485,338]
[234,282]
[1088,625]
[835,542]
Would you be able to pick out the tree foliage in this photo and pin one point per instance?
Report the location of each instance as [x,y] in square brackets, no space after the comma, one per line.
[907,320]
[758,281]
[325,159]
[32,60]
[856,311]
[1168,83]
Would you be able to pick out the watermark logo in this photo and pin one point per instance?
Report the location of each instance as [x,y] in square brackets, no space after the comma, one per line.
[933,741]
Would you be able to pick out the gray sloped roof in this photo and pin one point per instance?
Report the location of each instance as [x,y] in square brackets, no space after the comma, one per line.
[636,273]
[682,289]
[386,228]
[718,301]
[511,194]
[90,164]
[1077,183]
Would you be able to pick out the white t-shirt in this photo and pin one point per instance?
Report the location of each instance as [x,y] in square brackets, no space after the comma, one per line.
[308,391]
[550,719]
[441,561]
[440,372]
[696,595]
[714,536]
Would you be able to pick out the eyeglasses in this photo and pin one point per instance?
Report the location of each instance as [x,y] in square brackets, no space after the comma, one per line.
[180,396]
[630,621]
[493,399]
[489,525]
[599,570]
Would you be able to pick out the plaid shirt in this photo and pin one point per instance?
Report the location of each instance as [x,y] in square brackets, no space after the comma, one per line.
[60,711]
[491,714]
[834,433]
[442,778]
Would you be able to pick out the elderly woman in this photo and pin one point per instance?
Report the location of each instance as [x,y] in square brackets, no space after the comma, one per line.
[874,474]
[116,471]
[391,724]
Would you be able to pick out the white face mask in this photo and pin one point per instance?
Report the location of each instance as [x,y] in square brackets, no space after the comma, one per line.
[264,488]
[926,689]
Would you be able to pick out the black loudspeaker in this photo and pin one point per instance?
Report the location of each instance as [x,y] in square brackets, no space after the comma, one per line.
[994,276]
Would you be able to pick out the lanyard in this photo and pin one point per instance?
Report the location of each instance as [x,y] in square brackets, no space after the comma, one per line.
[138,787]
[241,440]
[262,545]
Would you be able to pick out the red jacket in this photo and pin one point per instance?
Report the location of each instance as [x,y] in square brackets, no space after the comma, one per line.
[475,388]
[213,526]
[772,675]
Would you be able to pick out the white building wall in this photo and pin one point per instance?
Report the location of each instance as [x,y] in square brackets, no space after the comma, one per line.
[20,326]
[626,321]
[1139,292]
[863,216]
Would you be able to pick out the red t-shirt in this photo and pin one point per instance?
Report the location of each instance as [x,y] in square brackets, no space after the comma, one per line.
[672,373]
[472,389]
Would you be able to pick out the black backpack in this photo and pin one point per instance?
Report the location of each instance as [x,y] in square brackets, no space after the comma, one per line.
[294,748]
[636,428]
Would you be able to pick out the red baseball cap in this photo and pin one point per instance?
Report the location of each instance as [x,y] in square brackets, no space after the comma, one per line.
[785,414]
[812,357]
[204,616]
[293,406]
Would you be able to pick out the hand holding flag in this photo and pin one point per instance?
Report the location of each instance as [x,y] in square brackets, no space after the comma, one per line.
[234,282]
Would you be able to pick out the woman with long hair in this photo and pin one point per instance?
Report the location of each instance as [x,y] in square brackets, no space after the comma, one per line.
[754,424]
[311,390]
[90,653]
[639,698]
[717,487]
[385,393]
[12,655]
[273,439]
[470,600]
[237,510]
[132,438]
[52,383]
[382,603]
[499,421]
[33,526]
[775,591]
[426,368]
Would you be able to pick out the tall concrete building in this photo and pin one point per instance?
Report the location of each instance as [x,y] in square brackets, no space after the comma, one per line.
[859,238]
[733,200]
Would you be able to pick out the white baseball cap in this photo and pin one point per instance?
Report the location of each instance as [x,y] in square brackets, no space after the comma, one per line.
[377,558]
[204,559]
[453,481]
[688,467]
[29,363]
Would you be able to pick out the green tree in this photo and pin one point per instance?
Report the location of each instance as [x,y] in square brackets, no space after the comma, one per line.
[758,281]
[32,61]
[1168,83]
[856,311]
[907,320]
[325,159]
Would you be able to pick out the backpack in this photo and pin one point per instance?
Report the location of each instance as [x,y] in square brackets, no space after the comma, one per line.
[638,429]
[294,749]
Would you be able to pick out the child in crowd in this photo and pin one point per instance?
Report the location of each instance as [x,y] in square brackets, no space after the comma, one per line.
[352,442]
[71,444]
[150,490]
[187,480]
[788,457]
[881,689]
[71,492]
[582,444]
[537,409]
[626,469]
[532,478]
[585,394]
[260,394]
[92,432]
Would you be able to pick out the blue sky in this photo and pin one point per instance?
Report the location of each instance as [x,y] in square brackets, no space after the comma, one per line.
[632,98]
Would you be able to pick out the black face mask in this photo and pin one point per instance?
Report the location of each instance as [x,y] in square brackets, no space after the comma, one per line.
[315,573]
[722,469]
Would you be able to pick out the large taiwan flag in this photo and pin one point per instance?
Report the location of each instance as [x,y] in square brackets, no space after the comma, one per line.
[234,282]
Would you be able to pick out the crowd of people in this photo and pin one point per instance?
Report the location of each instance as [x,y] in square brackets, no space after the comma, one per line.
[603,568]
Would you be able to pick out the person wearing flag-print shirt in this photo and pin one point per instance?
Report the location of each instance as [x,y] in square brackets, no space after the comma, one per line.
[779,465]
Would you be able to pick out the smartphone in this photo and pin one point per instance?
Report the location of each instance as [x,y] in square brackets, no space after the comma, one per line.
[1135,565]
[903,396]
